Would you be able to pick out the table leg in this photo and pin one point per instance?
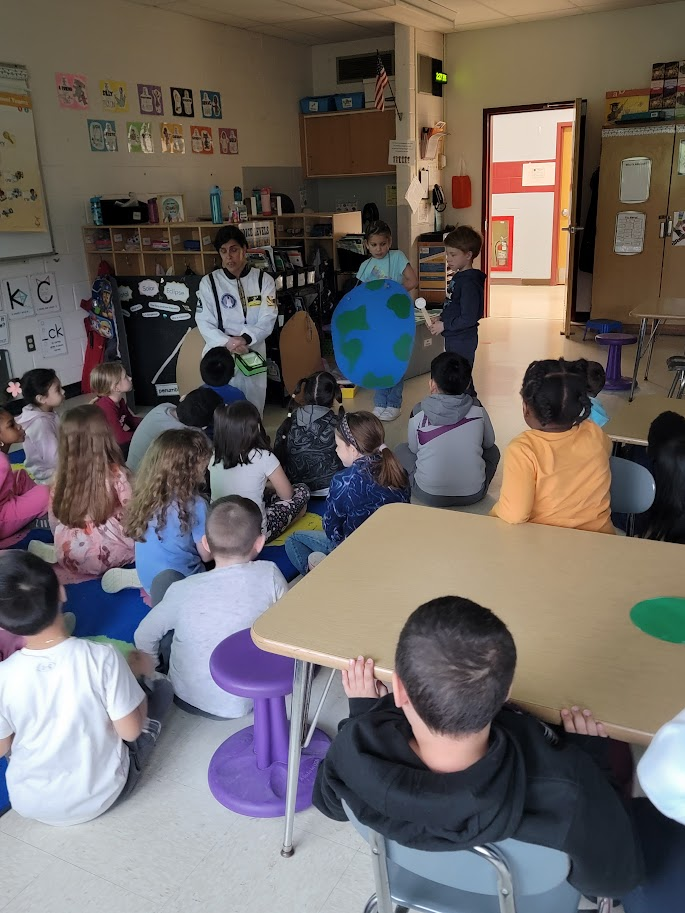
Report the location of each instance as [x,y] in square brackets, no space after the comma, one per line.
[300,700]
[656,326]
[638,355]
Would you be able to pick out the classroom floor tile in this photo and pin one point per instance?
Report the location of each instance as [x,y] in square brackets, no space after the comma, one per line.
[172,847]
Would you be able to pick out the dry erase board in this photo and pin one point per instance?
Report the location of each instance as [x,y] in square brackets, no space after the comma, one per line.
[24,226]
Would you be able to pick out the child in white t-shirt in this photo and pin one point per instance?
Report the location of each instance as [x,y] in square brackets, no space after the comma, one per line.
[231,597]
[67,706]
[244,465]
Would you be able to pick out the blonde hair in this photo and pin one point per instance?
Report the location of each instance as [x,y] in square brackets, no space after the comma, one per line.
[105,377]
[172,472]
[88,459]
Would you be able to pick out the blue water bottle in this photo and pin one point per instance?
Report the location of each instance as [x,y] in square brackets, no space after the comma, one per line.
[215,205]
[96,210]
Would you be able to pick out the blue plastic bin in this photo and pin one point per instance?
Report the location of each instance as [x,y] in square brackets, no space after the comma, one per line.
[317,104]
[350,101]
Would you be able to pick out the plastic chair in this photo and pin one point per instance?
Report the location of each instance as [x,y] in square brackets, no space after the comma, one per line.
[632,489]
[601,325]
[676,363]
[248,771]
[508,877]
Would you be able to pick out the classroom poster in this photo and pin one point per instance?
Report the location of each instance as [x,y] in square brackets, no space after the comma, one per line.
[22,206]
[211,104]
[139,136]
[72,91]
[52,339]
[103,135]
[678,232]
[182,104]
[44,293]
[228,141]
[173,140]
[16,295]
[150,99]
[114,96]
[201,140]
[4,330]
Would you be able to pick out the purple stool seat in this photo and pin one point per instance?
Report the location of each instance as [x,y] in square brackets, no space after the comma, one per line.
[248,771]
[615,342]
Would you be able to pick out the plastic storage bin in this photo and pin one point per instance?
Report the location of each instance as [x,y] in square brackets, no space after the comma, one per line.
[317,104]
[350,101]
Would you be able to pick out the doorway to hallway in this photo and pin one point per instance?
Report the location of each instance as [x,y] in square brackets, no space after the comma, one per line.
[531,178]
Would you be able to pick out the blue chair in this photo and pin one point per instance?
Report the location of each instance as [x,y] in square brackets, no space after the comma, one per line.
[600,325]
[633,489]
[510,877]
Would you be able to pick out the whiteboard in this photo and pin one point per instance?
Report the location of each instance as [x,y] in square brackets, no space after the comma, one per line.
[16,245]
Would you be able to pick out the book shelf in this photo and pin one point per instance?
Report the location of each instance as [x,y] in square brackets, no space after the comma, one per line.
[307,230]
[144,250]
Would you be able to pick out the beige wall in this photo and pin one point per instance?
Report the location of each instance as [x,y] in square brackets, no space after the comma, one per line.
[260,80]
[548,61]
[324,66]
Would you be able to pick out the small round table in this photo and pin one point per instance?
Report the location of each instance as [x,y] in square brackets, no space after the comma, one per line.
[615,343]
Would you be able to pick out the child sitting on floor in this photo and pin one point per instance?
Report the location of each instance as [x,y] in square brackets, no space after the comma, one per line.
[90,491]
[596,378]
[217,369]
[371,478]
[305,442]
[195,410]
[79,727]
[166,516]
[111,383]
[450,453]
[665,519]
[204,609]
[243,464]
[21,500]
[558,472]
[41,390]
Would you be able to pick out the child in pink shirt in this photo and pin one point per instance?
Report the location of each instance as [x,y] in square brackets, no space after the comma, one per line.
[111,383]
[21,500]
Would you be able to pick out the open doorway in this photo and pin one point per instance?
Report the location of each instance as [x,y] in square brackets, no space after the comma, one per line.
[529,172]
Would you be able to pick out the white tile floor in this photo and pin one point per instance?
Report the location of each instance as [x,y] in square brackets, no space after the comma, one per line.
[171,847]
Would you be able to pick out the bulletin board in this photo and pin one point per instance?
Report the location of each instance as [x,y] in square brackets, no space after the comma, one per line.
[24,226]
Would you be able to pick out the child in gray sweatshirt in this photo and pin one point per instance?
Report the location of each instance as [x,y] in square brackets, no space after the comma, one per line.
[450,453]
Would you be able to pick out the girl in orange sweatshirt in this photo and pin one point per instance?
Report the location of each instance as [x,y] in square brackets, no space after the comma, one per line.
[558,472]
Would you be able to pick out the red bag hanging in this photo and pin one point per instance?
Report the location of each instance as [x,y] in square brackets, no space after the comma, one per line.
[95,354]
[461,188]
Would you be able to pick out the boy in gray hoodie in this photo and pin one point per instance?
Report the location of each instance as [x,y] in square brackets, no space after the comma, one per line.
[450,453]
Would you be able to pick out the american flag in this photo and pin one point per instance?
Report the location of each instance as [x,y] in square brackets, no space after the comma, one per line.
[381,83]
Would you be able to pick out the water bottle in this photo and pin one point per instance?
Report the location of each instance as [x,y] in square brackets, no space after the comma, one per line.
[237,195]
[96,210]
[265,194]
[215,205]
[256,193]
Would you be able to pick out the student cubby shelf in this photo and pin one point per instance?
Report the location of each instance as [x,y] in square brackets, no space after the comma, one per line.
[144,250]
[307,230]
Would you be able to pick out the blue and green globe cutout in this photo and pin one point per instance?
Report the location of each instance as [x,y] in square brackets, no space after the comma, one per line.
[373,329]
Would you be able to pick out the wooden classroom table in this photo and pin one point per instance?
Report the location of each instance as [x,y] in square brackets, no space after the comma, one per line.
[630,423]
[659,312]
[565,594]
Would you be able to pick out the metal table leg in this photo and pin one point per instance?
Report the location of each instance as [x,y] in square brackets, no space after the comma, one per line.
[302,679]
[638,356]
[656,326]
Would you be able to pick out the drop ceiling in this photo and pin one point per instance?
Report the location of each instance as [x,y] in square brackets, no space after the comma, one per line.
[324,21]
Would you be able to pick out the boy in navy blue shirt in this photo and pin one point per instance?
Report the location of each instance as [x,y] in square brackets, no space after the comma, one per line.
[458,322]
[217,369]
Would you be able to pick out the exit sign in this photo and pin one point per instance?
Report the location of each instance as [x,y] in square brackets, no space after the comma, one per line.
[441,77]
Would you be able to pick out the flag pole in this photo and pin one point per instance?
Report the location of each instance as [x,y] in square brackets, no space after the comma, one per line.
[392,97]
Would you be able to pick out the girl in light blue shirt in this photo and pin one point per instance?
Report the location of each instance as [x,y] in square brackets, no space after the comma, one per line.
[386,264]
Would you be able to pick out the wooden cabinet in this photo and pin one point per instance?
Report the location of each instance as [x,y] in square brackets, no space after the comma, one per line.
[622,282]
[346,143]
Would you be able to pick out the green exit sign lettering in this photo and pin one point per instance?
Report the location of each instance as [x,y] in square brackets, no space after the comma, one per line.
[441,77]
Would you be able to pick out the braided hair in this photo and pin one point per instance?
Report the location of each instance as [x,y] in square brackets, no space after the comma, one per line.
[320,389]
[556,391]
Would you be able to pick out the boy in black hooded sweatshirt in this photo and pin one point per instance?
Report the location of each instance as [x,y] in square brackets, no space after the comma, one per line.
[443,763]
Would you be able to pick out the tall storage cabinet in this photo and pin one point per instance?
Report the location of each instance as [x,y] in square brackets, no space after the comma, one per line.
[624,281]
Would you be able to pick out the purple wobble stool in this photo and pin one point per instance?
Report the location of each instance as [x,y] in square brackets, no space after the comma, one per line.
[248,771]
[615,342]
